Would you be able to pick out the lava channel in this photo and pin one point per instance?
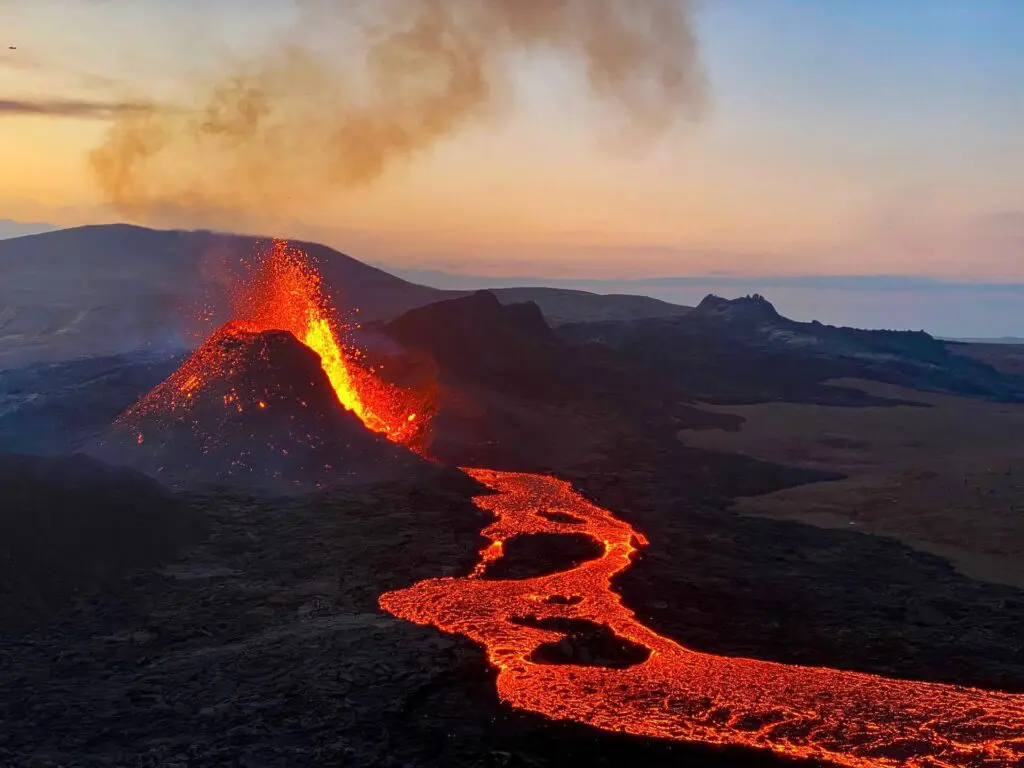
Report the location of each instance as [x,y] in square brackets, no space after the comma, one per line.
[845,718]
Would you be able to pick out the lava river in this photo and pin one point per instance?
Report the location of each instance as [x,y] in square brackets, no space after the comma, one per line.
[845,718]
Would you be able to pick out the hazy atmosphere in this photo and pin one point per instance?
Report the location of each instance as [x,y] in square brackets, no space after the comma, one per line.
[781,137]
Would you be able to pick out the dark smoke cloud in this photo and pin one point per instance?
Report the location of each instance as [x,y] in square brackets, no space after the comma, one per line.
[89,110]
[284,127]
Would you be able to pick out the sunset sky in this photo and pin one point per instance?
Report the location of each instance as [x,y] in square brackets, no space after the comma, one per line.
[841,137]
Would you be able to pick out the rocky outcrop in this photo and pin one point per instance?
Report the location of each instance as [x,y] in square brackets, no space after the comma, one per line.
[743,350]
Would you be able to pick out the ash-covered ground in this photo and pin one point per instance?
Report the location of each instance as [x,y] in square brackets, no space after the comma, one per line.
[253,637]
[262,645]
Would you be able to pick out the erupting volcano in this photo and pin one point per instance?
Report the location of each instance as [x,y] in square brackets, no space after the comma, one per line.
[285,293]
[846,718]
[254,380]
[274,398]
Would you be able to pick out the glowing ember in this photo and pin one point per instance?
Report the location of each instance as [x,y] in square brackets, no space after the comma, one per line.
[846,718]
[286,294]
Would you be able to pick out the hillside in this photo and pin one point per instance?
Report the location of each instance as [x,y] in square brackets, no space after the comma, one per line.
[109,289]
[563,305]
[743,350]
[1003,356]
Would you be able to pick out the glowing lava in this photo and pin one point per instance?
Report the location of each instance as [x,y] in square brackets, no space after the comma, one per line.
[285,293]
[846,718]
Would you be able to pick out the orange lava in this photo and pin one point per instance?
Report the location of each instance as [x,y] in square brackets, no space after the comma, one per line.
[285,293]
[845,718]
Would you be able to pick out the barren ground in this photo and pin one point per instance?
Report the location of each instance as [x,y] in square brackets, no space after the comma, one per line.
[946,479]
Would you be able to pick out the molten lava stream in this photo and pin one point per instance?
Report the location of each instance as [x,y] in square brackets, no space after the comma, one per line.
[846,718]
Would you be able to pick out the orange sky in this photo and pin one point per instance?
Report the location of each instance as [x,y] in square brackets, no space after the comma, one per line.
[789,173]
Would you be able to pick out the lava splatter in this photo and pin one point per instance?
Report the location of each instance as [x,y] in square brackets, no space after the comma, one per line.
[284,292]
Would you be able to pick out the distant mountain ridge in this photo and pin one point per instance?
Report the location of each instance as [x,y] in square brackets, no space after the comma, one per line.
[1013,340]
[743,350]
[108,289]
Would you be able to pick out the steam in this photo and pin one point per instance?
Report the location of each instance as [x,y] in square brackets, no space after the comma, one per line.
[394,78]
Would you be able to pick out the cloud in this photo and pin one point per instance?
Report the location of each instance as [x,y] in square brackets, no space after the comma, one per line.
[68,108]
[358,87]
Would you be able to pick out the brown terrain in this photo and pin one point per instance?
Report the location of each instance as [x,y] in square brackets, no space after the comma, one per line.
[1008,358]
[945,477]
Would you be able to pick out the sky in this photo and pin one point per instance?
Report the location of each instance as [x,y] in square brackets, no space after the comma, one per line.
[840,137]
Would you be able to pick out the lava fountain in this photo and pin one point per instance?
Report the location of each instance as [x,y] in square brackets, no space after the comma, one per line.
[284,292]
[845,718]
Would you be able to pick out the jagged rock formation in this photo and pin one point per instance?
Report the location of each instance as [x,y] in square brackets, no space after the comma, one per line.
[743,350]
[516,395]
[476,339]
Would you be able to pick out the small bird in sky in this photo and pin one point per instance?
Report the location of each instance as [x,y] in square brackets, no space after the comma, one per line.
[12,47]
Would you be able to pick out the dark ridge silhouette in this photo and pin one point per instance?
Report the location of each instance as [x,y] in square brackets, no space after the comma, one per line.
[476,339]
[743,351]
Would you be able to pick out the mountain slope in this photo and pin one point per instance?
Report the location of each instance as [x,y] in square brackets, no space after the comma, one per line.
[108,289]
[563,305]
[743,350]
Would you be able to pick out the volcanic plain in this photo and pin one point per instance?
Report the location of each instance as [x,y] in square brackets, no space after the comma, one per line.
[806,495]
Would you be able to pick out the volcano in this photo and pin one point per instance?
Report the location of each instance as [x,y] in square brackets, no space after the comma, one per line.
[252,408]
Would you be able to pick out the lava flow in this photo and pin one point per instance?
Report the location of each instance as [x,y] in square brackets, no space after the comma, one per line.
[284,293]
[846,718]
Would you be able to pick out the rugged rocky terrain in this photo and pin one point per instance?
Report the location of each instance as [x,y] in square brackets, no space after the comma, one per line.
[71,525]
[743,351]
[264,646]
[516,395]
[256,639]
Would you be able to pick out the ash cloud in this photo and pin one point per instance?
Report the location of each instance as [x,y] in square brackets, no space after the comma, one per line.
[357,87]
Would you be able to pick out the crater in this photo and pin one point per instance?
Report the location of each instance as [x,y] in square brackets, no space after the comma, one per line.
[586,644]
[540,554]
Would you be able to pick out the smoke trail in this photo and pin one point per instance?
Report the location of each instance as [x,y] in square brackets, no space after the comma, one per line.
[284,126]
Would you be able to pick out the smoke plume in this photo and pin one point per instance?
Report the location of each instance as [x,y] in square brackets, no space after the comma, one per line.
[357,86]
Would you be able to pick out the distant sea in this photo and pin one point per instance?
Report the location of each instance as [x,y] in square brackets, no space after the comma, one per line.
[945,309]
